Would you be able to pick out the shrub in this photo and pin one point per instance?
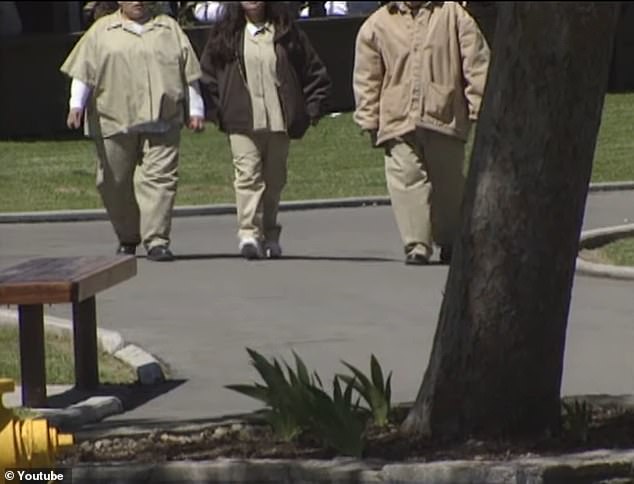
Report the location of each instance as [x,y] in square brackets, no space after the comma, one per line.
[296,401]
[376,392]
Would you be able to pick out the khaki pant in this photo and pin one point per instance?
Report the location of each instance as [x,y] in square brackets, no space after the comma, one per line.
[139,201]
[259,162]
[423,170]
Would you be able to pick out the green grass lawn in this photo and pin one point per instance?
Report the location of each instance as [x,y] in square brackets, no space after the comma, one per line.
[333,160]
[59,360]
[620,252]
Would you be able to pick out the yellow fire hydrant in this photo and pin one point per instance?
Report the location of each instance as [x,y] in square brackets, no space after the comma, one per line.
[29,443]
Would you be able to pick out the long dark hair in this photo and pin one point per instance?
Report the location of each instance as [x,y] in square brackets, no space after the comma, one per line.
[221,44]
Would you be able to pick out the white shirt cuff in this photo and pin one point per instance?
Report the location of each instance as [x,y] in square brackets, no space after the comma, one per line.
[207,11]
[79,94]
[196,104]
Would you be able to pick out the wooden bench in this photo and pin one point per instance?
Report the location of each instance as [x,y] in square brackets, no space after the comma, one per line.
[74,280]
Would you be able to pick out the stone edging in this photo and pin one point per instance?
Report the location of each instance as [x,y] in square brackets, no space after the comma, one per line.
[596,466]
[93,409]
[187,210]
[605,466]
[611,186]
[591,239]
[228,209]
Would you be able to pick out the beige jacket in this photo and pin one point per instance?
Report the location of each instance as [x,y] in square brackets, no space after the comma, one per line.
[426,71]
[137,77]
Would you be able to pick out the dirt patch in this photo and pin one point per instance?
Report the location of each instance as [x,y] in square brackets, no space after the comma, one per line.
[597,256]
[609,428]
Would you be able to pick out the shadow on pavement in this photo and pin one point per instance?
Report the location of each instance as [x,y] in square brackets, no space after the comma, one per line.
[287,257]
[131,395]
[143,426]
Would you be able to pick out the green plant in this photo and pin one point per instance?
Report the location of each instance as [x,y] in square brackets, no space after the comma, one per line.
[296,401]
[376,392]
[284,395]
[337,421]
[577,419]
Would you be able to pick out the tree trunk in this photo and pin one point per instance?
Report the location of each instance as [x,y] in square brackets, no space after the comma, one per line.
[485,14]
[497,359]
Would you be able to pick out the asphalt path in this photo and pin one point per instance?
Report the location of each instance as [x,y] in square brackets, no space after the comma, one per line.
[341,292]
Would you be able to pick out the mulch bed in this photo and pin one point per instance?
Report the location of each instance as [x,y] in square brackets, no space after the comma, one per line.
[611,428]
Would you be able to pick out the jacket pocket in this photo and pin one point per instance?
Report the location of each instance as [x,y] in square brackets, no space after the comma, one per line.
[167,57]
[168,74]
[439,102]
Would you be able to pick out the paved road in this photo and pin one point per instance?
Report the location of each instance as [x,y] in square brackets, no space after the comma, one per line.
[343,292]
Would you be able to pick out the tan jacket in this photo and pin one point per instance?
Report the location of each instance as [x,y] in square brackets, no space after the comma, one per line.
[426,71]
[137,78]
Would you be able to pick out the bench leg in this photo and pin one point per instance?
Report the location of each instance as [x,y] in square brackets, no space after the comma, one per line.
[85,344]
[32,362]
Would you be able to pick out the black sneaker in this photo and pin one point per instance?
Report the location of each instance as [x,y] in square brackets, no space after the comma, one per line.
[160,253]
[445,254]
[126,249]
[416,259]
[272,249]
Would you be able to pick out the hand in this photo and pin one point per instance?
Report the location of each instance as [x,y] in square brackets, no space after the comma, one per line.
[196,123]
[373,136]
[74,118]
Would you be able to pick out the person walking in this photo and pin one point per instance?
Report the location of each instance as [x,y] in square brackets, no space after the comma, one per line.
[136,75]
[265,85]
[419,76]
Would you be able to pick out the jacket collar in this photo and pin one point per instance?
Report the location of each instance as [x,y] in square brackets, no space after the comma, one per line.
[116,21]
[256,29]
[277,35]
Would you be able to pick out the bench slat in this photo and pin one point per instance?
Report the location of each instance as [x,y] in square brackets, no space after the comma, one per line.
[63,279]
[36,293]
[94,282]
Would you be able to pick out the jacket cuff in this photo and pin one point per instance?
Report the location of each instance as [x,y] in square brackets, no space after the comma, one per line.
[314,112]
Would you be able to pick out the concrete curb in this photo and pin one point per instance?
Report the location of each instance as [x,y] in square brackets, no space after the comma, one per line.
[111,341]
[597,466]
[93,409]
[187,210]
[591,239]
[611,186]
[228,209]
[148,369]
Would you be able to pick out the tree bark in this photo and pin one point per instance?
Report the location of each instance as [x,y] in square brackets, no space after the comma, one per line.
[496,364]
[485,14]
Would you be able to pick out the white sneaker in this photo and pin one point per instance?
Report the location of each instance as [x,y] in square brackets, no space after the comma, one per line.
[250,248]
[272,249]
